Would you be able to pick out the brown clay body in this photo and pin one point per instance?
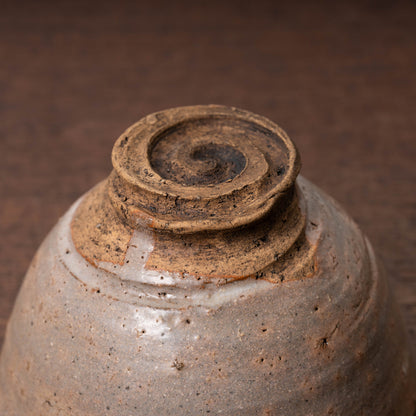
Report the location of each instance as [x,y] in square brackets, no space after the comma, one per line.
[204,276]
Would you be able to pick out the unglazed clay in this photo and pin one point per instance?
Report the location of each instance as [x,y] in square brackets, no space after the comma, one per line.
[204,276]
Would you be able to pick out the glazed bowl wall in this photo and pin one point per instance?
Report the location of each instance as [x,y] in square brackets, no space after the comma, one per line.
[83,341]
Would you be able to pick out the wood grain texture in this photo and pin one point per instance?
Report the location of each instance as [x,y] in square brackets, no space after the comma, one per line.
[339,78]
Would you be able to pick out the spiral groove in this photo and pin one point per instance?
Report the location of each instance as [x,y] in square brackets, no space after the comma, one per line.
[204,164]
[201,168]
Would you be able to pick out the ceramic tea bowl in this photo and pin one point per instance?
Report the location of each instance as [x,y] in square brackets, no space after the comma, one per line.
[205,276]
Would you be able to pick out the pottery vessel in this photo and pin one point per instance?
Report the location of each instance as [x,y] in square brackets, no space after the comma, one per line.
[205,276]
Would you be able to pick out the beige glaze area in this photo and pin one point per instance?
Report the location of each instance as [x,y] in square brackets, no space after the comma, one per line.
[120,341]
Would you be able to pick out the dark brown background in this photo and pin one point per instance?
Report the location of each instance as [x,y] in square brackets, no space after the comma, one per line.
[340,78]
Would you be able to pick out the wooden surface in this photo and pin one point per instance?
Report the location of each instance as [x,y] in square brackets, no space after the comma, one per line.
[339,78]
